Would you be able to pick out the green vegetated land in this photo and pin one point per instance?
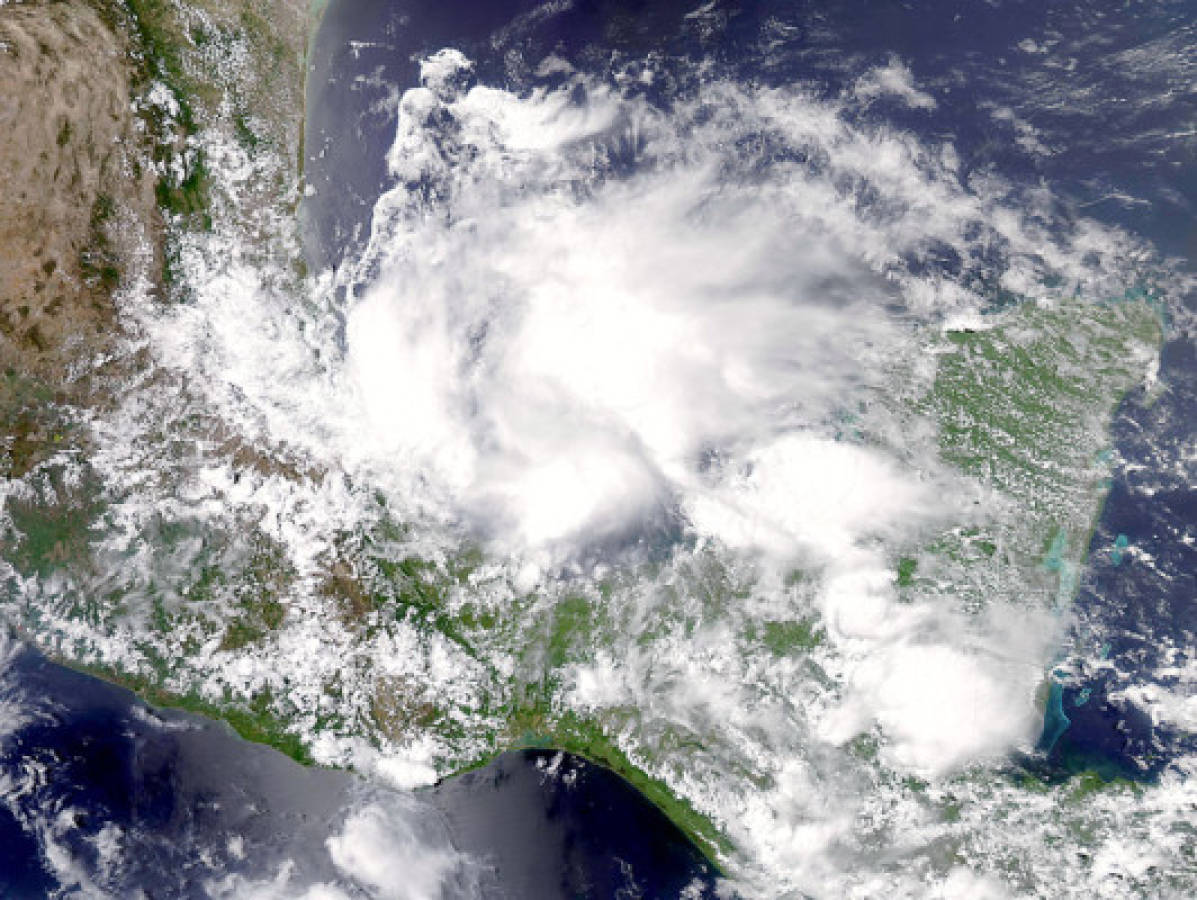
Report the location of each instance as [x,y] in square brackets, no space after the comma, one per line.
[1022,406]
[185,63]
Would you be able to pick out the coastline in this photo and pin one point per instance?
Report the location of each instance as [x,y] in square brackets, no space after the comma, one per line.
[537,722]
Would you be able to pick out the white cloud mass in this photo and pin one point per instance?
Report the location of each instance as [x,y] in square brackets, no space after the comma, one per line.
[584,322]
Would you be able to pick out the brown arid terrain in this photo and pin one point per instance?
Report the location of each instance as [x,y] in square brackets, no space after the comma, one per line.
[117,122]
[78,218]
[96,181]
[77,209]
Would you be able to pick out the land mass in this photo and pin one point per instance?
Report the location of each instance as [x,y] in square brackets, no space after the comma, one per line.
[112,112]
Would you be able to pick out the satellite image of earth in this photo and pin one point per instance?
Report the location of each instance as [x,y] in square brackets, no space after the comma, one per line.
[598,448]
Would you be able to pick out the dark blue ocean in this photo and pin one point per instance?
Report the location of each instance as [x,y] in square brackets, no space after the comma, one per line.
[99,788]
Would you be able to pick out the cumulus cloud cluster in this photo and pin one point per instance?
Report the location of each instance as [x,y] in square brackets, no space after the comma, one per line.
[580,313]
[583,314]
[383,849]
[582,317]
[570,351]
[387,848]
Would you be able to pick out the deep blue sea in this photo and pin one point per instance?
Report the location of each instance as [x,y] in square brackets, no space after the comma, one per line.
[80,759]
